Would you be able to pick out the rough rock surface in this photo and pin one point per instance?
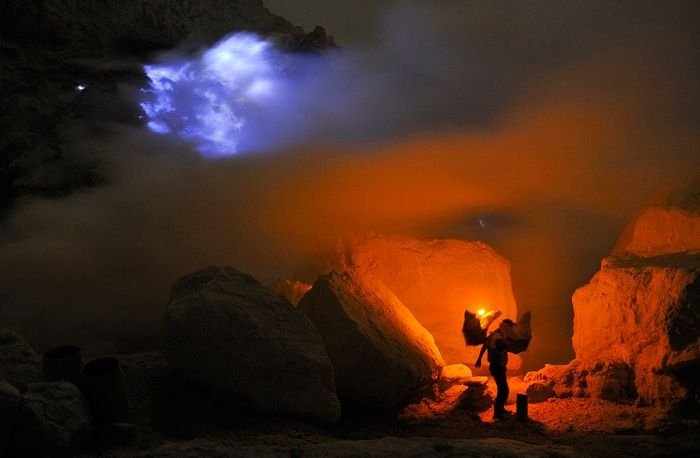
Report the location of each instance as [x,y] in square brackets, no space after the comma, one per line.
[10,401]
[643,306]
[539,392]
[292,290]
[379,448]
[245,343]
[645,312]
[380,353]
[603,379]
[437,280]
[54,419]
[669,226]
[19,363]
[123,25]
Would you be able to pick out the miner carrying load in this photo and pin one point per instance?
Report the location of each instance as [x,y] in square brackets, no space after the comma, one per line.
[509,337]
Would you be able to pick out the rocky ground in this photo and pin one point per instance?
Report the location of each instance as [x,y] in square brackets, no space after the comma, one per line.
[174,419]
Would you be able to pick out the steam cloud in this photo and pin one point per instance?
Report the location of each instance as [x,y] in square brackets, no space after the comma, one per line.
[538,127]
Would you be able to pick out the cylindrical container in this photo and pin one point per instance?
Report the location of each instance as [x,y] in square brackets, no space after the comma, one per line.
[63,363]
[521,407]
[103,383]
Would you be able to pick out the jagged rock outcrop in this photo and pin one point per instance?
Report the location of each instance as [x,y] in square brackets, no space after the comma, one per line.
[139,27]
[437,280]
[604,379]
[20,365]
[54,419]
[643,306]
[245,343]
[292,290]
[381,354]
[670,226]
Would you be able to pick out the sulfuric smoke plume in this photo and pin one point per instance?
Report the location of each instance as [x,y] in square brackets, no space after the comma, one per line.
[538,127]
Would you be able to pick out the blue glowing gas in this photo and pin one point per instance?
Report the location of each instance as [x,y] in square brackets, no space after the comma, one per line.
[212,98]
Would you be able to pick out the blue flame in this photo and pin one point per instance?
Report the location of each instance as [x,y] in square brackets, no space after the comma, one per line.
[211,99]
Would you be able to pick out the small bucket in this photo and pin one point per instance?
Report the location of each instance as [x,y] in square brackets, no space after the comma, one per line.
[63,363]
[103,383]
[521,407]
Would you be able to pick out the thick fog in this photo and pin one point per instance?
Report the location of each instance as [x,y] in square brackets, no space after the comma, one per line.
[538,127]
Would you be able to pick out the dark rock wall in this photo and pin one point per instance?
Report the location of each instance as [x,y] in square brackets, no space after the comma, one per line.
[48,47]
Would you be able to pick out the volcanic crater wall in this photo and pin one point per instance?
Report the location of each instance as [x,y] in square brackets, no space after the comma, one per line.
[643,306]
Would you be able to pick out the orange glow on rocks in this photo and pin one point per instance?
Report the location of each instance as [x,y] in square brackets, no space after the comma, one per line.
[434,279]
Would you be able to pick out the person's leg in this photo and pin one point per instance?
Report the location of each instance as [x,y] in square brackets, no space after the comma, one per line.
[499,375]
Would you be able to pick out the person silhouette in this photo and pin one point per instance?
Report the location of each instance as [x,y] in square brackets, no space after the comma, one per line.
[498,359]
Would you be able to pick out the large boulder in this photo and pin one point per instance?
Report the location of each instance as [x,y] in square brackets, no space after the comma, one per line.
[229,334]
[643,306]
[437,280]
[645,312]
[54,419]
[380,352]
[19,363]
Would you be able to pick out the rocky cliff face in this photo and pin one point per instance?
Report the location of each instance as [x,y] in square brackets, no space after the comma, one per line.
[643,306]
[137,26]
[437,280]
[49,47]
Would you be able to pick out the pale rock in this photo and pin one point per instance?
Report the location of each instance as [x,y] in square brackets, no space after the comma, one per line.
[246,344]
[453,374]
[54,419]
[437,280]
[380,352]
